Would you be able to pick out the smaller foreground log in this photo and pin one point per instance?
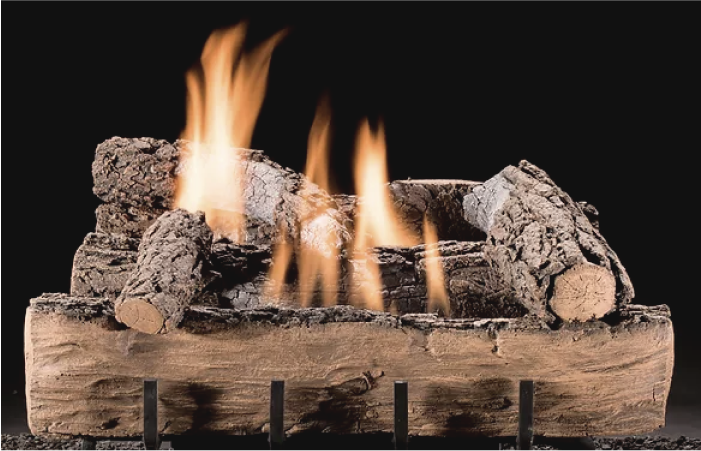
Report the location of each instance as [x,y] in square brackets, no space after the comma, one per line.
[536,234]
[170,270]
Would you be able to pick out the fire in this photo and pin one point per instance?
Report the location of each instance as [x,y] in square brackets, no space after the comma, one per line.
[377,222]
[222,109]
[282,255]
[436,292]
[315,266]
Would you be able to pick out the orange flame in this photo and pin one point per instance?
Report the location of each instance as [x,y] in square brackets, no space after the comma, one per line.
[435,280]
[313,265]
[377,222]
[282,255]
[222,109]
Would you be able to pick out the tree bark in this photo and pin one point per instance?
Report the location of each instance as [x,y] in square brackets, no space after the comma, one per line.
[171,270]
[537,234]
[137,172]
[441,201]
[85,371]
[142,173]
[102,265]
[238,277]
[125,219]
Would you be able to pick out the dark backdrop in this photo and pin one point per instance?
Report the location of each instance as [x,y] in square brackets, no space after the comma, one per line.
[604,101]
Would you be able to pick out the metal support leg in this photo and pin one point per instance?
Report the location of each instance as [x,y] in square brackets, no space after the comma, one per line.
[88,443]
[524,440]
[277,414]
[151,439]
[401,415]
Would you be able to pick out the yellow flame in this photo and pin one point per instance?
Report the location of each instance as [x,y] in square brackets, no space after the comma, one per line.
[282,255]
[315,267]
[435,280]
[318,143]
[222,109]
[376,223]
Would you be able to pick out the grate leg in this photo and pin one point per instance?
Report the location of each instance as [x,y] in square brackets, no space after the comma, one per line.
[524,440]
[151,439]
[401,415]
[277,414]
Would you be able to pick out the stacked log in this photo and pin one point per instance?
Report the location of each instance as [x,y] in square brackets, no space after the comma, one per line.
[136,178]
[545,247]
[171,269]
[238,277]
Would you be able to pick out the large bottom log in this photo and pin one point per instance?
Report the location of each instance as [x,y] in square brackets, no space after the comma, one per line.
[84,371]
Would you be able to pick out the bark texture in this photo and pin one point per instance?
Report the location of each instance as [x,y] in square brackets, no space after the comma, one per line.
[238,278]
[102,265]
[85,371]
[441,201]
[125,219]
[137,172]
[171,270]
[536,233]
[141,173]
[137,180]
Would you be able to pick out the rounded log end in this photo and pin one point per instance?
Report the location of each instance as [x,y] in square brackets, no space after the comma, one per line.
[583,292]
[138,314]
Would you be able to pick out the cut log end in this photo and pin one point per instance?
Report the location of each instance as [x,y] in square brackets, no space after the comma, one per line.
[139,314]
[584,292]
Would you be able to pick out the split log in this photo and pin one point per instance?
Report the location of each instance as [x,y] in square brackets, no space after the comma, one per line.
[536,235]
[85,371]
[102,265]
[170,271]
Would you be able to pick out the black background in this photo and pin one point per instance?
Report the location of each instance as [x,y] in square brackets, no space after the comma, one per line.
[605,101]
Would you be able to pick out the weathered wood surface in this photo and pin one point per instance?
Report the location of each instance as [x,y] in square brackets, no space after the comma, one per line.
[171,269]
[125,220]
[239,277]
[441,201]
[137,172]
[137,179]
[141,173]
[102,265]
[84,371]
[537,233]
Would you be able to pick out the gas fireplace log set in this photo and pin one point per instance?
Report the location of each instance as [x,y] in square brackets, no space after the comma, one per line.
[533,289]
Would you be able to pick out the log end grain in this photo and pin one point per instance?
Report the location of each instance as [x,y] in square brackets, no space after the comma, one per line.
[140,315]
[583,292]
